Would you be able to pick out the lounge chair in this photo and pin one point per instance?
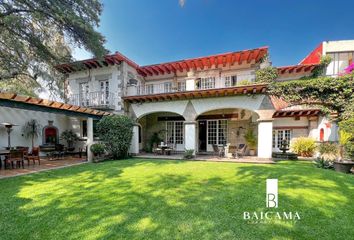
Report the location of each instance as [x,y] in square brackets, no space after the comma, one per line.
[218,151]
[241,150]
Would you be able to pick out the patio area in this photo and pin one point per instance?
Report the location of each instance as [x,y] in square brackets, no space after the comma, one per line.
[208,158]
[46,164]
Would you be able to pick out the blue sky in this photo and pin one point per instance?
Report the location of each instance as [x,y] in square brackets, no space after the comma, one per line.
[153,31]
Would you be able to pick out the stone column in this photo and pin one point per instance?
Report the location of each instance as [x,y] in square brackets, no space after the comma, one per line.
[190,135]
[265,138]
[134,146]
[89,139]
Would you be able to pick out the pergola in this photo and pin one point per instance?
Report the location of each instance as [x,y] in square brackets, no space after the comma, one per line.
[37,104]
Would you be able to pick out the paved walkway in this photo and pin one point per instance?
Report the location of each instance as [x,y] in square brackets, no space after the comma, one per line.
[45,165]
[209,158]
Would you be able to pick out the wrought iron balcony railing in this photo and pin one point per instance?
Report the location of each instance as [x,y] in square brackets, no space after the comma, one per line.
[199,84]
[97,100]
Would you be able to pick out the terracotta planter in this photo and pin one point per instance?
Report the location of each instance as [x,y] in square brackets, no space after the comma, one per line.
[343,167]
[252,152]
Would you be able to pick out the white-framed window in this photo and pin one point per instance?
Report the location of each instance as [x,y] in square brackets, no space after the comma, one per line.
[104,89]
[279,135]
[340,60]
[167,87]
[174,132]
[84,94]
[231,81]
[181,86]
[217,132]
[206,83]
[149,89]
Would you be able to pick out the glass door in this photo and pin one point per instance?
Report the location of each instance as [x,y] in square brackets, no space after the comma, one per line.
[84,94]
[104,92]
[278,136]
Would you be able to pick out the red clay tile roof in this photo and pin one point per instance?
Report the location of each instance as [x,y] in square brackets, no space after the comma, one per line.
[162,68]
[304,68]
[278,103]
[50,104]
[93,63]
[205,62]
[314,57]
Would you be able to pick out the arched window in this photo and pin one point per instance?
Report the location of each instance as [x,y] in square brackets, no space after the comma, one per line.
[321,134]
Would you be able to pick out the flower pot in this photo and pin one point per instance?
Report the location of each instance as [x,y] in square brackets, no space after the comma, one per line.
[252,152]
[343,167]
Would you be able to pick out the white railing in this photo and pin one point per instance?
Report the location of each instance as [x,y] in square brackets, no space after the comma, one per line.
[101,100]
[167,87]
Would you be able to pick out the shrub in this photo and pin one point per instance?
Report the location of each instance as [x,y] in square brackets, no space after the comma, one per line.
[97,149]
[251,139]
[303,146]
[244,83]
[116,132]
[329,150]
[266,75]
[188,154]
[70,137]
[346,138]
[322,163]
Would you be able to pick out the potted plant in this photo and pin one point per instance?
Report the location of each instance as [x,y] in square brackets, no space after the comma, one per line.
[98,150]
[70,137]
[32,129]
[346,151]
[251,141]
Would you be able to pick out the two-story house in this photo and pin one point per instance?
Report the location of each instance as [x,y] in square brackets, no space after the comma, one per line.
[200,103]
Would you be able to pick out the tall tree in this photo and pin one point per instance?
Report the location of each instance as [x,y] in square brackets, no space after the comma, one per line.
[36,35]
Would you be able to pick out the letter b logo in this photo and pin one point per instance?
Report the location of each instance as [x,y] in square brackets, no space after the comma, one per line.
[272,193]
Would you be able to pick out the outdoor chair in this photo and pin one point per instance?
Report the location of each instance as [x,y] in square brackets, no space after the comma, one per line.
[171,149]
[218,151]
[241,150]
[34,156]
[25,152]
[156,149]
[59,151]
[15,156]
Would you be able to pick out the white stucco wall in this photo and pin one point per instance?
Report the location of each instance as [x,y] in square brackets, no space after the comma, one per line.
[21,116]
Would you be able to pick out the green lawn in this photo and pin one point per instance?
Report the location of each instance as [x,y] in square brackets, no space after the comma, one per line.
[156,199]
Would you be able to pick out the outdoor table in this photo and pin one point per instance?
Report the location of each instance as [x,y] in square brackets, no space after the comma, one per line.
[164,148]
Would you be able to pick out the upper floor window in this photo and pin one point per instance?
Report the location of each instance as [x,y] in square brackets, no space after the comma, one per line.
[149,89]
[230,81]
[181,86]
[205,83]
[167,87]
[340,60]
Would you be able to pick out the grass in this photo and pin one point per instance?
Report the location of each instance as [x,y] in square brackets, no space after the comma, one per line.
[156,199]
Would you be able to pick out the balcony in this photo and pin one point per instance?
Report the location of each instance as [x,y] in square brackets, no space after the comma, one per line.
[197,84]
[96,100]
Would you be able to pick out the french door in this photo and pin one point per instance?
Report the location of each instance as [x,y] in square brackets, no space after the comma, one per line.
[216,133]
[84,94]
[104,92]
[278,136]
